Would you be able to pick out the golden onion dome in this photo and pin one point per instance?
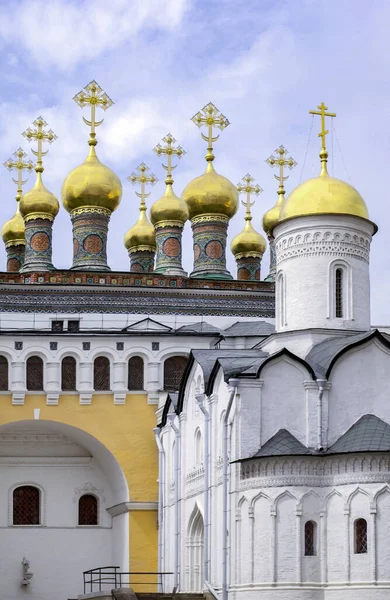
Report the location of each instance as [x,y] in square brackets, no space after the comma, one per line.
[248,242]
[142,235]
[211,193]
[272,215]
[14,229]
[39,201]
[91,184]
[169,208]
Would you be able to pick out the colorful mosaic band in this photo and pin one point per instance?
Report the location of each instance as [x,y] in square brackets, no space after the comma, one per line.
[248,268]
[90,229]
[168,249]
[272,261]
[15,257]
[38,254]
[209,236]
[141,261]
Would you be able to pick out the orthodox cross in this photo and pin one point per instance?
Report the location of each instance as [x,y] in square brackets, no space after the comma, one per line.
[94,96]
[19,164]
[40,135]
[170,150]
[248,186]
[322,113]
[282,161]
[210,117]
[144,179]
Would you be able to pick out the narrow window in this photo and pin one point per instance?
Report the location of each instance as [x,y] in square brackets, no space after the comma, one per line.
[88,510]
[361,545]
[68,374]
[281,299]
[339,293]
[101,374]
[3,374]
[136,373]
[26,505]
[198,448]
[310,538]
[34,374]
[173,372]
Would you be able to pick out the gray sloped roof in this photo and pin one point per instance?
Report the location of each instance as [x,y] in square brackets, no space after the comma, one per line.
[238,365]
[368,434]
[321,355]
[283,443]
[200,327]
[240,359]
[249,328]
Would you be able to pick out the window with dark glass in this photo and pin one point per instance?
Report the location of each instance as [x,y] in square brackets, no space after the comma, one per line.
[73,326]
[68,374]
[3,374]
[26,505]
[88,510]
[101,374]
[339,293]
[361,544]
[34,374]
[310,538]
[57,326]
[136,373]
[173,372]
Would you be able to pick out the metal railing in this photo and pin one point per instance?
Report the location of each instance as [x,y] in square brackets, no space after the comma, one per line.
[96,579]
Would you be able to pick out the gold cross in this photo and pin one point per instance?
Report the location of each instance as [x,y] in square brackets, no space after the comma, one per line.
[322,112]
[19,165]
[281,162]
[210,117]
[144,180]
[170,150]
[41,136]
[248,187]
[93,95]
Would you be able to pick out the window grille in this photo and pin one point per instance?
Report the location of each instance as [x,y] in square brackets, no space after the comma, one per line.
[34,376]
[3,374]
[361,545]
[18,345]
[57,326]
[310,538]
[26,505]
[155,346]
[101,373]
[86,345]
[173,372]
[53,345]
[88,510]
[73,326]
[68,374]
[339,293]
[136,373]
[120,346]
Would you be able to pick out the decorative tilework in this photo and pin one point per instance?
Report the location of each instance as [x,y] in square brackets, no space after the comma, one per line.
[272,262]
[15,258]
[90,241]
[209,238]
[248,268]
[168,249]
[38,250]
[141,261]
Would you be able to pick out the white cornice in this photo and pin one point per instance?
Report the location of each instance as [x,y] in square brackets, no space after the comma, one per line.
[124,507]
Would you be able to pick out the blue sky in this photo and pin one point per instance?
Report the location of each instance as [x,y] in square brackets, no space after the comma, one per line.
[264,64]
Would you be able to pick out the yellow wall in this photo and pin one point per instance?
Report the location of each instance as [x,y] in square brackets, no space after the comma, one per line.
[127,432]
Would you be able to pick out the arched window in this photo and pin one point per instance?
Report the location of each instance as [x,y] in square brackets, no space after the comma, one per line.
[68,374]
[173,372]
[101,374]
[3,374]
[310,538]
[26,509]
[361,545]
[88,510]
[339,292]
[281,299]
[198,447]
[135,379]
[34,374]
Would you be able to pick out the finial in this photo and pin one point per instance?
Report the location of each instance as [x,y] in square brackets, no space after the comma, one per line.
[210,117]
[170,150]
[248,187]
[281,162]
[144,179]
[324,153]
[93,95]
[19,165]
[41,136]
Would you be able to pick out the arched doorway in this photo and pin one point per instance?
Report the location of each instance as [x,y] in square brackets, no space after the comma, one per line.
[196,551]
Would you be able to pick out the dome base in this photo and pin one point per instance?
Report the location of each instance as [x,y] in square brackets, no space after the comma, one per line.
[211,275]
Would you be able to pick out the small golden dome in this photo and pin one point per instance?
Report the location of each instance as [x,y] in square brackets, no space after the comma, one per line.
[142,235]
[211,194]
[248,242]
[91,184]
[169,208]
[14,229]
[39,200]
[272,215]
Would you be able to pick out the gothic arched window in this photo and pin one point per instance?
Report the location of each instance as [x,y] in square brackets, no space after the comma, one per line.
[173,372]
[68,374]
[360,531]
[3,374]
[198,447]
[310,538]
[26,509]
[101,374]
[135,379]
[34,374]
[88,510]
[339,292]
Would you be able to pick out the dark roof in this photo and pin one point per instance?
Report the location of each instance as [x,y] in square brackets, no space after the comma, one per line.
[242,365]
[200,327]
[241,358]
[283,443]
[368,434]
[249,328]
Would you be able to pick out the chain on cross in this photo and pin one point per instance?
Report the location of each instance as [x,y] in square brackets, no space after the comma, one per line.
[282,161]
[210,117]
[20,164]
[144,179]
[248,186]
[94,96]
[40,135]
[169,150]
[322,113]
